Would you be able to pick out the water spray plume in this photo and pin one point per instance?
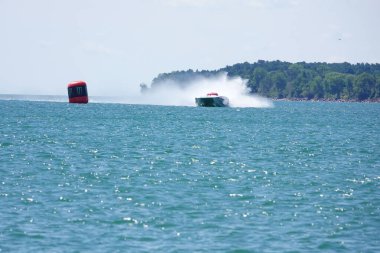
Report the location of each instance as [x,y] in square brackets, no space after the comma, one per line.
[172,93]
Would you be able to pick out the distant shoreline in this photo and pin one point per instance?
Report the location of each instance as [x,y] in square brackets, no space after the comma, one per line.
[293,81]
[376,100]
[63,98]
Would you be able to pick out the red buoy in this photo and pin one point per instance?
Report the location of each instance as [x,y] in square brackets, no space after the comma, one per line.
[77,92]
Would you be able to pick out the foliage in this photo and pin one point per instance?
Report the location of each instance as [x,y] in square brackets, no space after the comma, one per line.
[277,79]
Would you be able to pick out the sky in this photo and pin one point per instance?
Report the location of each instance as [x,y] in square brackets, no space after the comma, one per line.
[114,45]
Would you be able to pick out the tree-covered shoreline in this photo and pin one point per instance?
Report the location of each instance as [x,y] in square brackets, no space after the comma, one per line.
[296,81]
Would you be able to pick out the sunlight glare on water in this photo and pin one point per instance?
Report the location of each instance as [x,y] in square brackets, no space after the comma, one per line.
[299,177]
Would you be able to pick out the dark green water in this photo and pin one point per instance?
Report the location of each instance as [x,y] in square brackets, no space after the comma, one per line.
[300,177]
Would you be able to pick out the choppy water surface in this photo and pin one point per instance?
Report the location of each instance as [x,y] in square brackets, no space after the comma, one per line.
[300,177]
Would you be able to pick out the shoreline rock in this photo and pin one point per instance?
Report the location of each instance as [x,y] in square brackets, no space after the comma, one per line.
[375,100]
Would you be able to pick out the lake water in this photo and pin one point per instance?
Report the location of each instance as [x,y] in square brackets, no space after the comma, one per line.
[299,177]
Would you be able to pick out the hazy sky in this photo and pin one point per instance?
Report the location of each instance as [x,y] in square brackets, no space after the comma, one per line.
[115,45]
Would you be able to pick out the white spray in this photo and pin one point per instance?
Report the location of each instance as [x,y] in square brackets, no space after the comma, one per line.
[171,93]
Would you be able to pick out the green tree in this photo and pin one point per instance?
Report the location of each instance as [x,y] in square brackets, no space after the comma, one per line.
[364,86]
[334,84]
[316,88]
[257,76]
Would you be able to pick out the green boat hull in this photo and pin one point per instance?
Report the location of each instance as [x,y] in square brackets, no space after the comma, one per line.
[212,101]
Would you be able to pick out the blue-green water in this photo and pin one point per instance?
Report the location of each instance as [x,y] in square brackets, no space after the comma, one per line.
[300,177]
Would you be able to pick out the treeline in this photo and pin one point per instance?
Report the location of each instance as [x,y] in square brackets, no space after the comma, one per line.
[277,79]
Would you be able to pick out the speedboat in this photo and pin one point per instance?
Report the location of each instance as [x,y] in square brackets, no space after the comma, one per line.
[212,100]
